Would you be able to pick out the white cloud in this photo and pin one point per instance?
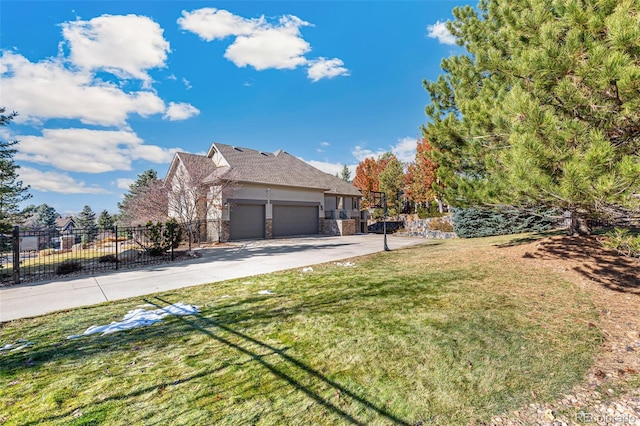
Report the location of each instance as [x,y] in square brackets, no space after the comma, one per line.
[440,32]
[125,45]
[89,151]
[361,153]
[47,89]
[260,43]
[324,143]
[331,168]
[124,183]
[326,68]
[180,111]
[187,83]
[405,149]
[271,46]
[210,23]
[56,182]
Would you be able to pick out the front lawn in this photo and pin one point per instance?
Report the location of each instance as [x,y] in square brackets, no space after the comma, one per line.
[443,333]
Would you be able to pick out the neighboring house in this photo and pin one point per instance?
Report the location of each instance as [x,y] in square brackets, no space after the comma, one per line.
[253,194]
[65,225]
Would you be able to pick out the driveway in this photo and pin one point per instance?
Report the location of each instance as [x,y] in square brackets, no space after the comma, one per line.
[221,263]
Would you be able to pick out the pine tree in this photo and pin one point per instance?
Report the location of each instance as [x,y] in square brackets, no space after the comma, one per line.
[105,220]
[146,200]
[543,109]
[345,174]
[86,222]
[392,183]
[12,191]
[45,217]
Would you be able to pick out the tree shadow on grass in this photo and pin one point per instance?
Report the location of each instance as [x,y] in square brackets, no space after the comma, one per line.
[531,238]
[588,257]
[294,372]
[205,326]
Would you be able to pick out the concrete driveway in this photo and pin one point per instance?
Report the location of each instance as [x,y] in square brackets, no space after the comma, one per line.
[216,264]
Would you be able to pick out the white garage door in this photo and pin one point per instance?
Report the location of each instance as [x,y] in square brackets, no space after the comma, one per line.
[246,221]
[295,220]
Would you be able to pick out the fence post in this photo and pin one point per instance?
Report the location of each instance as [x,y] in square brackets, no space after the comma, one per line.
[116,231]
[16,254]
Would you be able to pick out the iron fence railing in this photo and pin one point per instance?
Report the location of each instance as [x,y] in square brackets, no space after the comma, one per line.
[34,255]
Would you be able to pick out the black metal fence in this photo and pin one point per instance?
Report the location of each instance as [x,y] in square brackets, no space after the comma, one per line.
[34,255]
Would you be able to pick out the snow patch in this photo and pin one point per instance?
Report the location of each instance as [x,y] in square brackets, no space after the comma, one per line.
[347,264]
[265,292]
[308,269]
[139,318]
[12,347]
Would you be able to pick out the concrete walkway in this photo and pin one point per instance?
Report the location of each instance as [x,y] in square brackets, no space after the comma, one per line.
[216,264]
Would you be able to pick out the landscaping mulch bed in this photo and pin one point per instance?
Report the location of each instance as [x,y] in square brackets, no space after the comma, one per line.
[610,394]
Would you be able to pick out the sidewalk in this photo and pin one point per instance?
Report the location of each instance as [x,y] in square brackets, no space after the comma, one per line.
[216,264]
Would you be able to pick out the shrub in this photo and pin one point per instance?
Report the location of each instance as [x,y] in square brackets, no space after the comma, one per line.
[430,210]
[440,224]
[485,222]
[624,243]
[68,267]
[108,258]
[162,237]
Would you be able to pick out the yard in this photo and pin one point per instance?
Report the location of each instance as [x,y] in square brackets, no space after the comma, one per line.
[449,332]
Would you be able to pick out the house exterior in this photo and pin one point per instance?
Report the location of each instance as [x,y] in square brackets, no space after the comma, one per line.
[252,194]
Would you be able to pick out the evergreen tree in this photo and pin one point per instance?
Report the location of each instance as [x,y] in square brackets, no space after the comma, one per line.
[543,110]
[392,182]
[45,217]
[86,221]
[12,191]
[146,200]
[105,220]
[345,175]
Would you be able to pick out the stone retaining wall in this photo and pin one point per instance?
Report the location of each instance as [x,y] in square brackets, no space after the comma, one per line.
[420,228]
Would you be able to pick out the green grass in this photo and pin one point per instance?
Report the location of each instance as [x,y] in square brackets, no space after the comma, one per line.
[443,333]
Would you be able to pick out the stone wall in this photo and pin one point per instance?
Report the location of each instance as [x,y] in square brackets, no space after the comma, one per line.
[338,227]
[420,228]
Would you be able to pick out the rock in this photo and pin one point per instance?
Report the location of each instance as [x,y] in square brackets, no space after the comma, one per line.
[128,255]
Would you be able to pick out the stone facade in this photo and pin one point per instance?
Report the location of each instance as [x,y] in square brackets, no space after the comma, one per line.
[338,227]
[268,232]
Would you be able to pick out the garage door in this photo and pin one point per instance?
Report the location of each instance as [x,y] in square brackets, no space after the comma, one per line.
[294,220]
[246,221]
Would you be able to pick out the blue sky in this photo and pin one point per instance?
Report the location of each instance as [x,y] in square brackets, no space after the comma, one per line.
[107,90]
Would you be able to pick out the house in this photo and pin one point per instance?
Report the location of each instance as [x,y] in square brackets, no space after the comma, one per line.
[252,194]
[65,225]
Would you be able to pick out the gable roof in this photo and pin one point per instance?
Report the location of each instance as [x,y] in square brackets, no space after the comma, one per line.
[280,168]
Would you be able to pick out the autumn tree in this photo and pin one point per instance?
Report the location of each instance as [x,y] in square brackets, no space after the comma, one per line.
[145,201]
[366,179]
[542,108]
[421,179]
[12,190]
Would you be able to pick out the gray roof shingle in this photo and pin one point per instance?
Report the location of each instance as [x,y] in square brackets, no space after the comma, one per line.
[279,168]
